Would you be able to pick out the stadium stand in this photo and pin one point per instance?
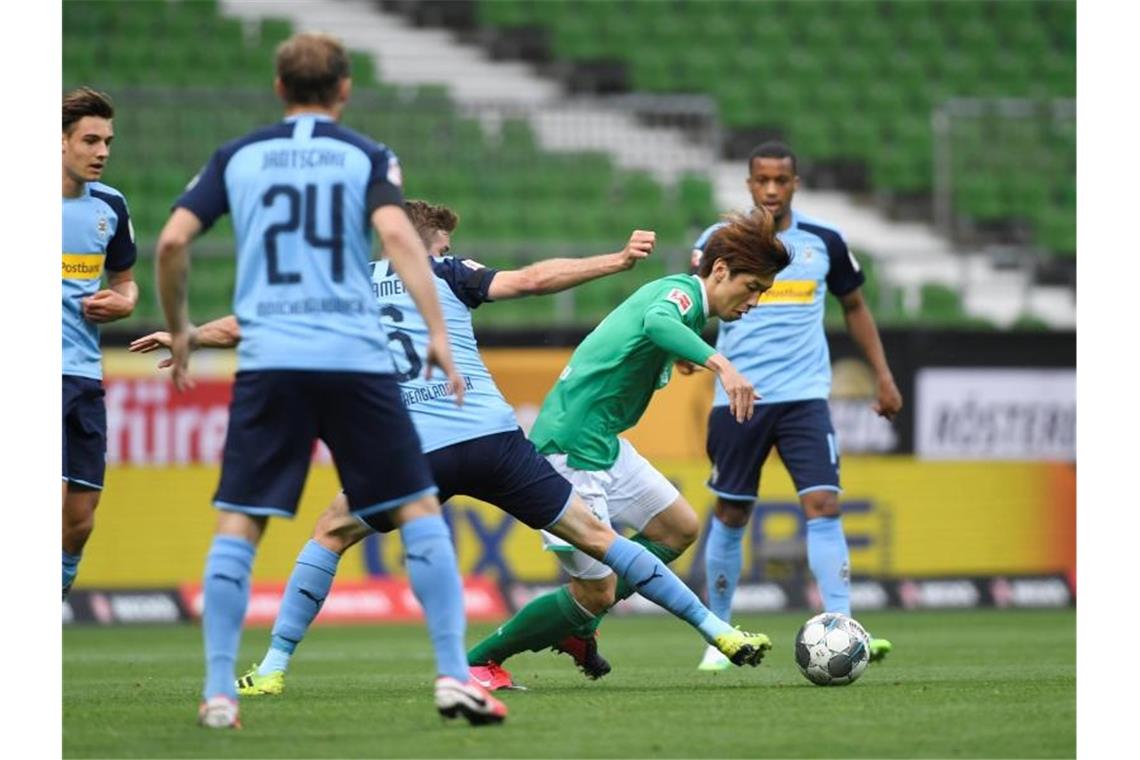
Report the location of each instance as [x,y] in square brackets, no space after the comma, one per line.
[856,81]
[860,119]
[165,61]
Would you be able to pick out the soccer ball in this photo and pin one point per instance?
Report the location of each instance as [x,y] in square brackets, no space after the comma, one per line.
[832,649]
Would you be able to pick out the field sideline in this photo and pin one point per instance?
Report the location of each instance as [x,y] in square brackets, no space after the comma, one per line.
[960,684]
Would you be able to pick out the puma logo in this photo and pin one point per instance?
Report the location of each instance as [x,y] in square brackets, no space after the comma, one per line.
[236,581]
[641,584]
[317,600]
[417,558]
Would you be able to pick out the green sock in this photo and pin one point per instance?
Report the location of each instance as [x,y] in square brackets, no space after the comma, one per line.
[662,552]
[544,621]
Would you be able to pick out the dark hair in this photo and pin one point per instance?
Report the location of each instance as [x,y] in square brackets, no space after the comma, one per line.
[772,149]
[748,245]
[427,217]
[311,66]
[84,101]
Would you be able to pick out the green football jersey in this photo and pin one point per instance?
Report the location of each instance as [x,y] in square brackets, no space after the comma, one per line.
[614,372]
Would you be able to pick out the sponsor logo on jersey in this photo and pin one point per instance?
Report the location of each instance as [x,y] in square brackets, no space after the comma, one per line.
[682,299]
[82,266]
[789,291]
[472,264]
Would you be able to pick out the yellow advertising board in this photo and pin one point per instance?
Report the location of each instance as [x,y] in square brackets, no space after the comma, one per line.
[903,517]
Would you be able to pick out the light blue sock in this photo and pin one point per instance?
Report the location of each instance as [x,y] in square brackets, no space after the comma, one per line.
[829,562]
[309,584]
[225,592]
[724,556]
[651,578]
[70,569]
[434,575]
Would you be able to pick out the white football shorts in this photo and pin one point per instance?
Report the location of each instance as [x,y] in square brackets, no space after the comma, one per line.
[630,493]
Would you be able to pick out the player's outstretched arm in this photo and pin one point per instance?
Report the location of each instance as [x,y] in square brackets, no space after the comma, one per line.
[861,326]
[553,275]
[405,249]
[172,259]
[220,333]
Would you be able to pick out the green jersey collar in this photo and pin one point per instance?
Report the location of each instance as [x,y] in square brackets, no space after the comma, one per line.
[704,295]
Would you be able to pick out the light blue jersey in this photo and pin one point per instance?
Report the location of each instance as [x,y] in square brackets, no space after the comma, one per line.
[780,345]
[301,194]
[97,235]
[462,285]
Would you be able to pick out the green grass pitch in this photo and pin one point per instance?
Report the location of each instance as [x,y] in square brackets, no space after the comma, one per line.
[959,684]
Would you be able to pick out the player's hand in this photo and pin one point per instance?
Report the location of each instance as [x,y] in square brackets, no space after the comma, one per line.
[179,361]
[148,343]
[685,367]
[742,397]
[106,306]
[152,342]
[439,355]
[889,401]
[640,245]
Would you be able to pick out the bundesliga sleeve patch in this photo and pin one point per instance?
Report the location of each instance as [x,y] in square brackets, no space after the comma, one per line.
[472,264]
[682,299]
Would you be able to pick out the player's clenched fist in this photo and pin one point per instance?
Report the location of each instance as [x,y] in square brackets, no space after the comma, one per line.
[640,245]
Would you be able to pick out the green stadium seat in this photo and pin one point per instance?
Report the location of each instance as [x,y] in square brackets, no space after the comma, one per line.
[886,105]
[976,38]
[857,73]
[908,74]
[825,32]
[1027,37]
[577,37]
[1025,192]
[505,12]
[701,67]
[652,70]
[957,13]
[941,304]
[961,73]
[742,106]
[857,136]
[695,199]
[274,31]
[978,197]
[812,137]
[1058,233]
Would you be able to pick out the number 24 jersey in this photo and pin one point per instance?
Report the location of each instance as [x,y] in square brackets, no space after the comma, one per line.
[301,193]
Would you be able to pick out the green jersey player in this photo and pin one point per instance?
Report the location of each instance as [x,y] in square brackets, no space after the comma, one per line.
[602,392]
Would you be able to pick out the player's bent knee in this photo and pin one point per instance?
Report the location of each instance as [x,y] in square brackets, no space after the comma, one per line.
[425,506]
[820,504]
[597,596]
[684,528]
[76,533]
[733,513]
[677,527]
[581,528]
